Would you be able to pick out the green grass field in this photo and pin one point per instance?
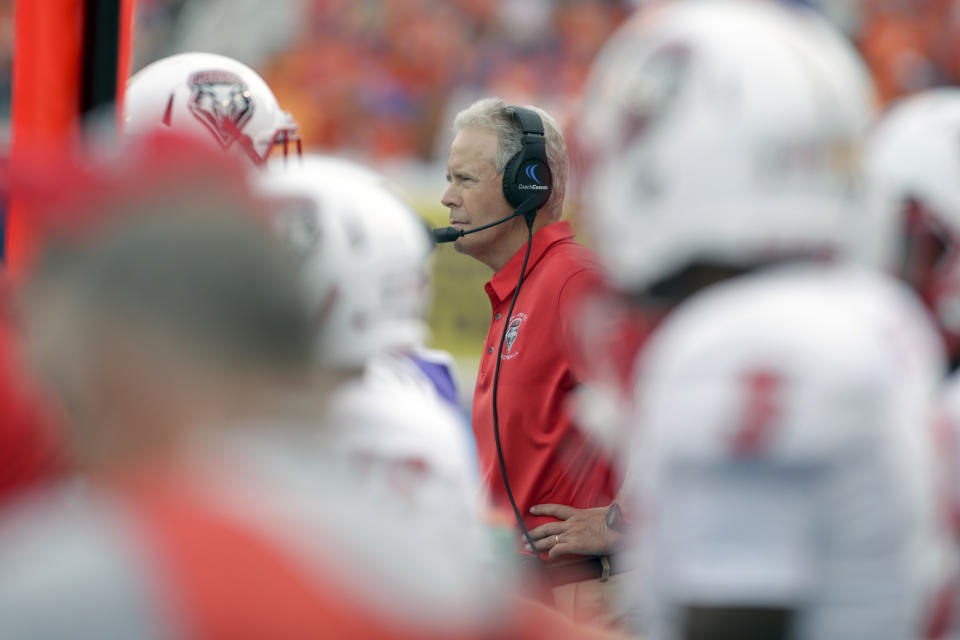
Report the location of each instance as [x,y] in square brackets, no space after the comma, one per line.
[460,310]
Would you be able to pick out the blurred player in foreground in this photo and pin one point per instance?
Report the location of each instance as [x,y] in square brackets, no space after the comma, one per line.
[393,414]
[210,98]
[30,454]
[175,330]
[784,473]
[185,326]
[912,154]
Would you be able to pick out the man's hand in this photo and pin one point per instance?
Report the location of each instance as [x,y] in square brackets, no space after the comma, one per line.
[581,531]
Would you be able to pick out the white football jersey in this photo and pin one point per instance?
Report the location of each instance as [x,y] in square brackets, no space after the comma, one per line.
[405,438]
[406,450]
[431,370]
[950,439]
[784,455]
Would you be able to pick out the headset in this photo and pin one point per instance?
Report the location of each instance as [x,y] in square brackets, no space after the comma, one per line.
[527,179]
[527,185]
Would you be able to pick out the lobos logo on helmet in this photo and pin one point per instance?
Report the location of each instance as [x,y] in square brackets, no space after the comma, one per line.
[654,89]
[221,101]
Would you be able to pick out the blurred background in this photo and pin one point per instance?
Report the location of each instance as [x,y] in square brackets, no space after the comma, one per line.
[380,81]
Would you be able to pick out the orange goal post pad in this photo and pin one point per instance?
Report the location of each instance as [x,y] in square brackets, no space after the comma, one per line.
[63,51]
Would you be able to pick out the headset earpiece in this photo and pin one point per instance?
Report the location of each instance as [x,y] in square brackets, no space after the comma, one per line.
[527,179]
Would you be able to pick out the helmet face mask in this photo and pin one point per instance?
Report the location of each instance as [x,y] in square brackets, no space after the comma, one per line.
[929,261]
[928,246]
[211,97]
[284,139]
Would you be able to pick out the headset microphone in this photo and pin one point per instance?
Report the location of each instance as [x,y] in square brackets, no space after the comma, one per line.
[449,234]
[446,234]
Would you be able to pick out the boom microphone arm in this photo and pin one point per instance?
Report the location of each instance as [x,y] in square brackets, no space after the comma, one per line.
[449,234]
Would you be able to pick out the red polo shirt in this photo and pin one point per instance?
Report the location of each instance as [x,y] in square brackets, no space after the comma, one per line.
[548,459]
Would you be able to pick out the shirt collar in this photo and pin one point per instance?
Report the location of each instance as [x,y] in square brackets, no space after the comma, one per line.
[503,282]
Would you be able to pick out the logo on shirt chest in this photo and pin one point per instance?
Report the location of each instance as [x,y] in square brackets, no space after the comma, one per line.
[513,333]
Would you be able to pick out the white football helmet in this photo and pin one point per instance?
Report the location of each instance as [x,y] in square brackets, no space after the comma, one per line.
[212,97]
[913,161]
[722,131]
[365,251]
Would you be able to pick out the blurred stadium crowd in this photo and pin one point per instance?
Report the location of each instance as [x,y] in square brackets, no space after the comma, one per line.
[381,79]
[378,77]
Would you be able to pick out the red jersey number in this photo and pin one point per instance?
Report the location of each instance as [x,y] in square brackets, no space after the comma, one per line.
[761,412]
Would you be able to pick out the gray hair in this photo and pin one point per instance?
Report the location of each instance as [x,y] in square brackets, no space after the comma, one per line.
[491,113]
[207,281]
[214,281]
[180,292]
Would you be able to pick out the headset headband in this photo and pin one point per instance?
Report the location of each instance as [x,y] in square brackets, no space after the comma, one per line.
[529,120]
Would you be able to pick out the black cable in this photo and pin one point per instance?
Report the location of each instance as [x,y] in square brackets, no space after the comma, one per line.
[496,379]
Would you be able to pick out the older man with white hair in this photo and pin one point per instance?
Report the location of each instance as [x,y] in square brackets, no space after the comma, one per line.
[532,456]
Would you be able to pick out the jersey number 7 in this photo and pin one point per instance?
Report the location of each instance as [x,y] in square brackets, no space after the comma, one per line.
[761,412]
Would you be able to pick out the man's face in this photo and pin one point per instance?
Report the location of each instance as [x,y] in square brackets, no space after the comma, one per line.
[475,196]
